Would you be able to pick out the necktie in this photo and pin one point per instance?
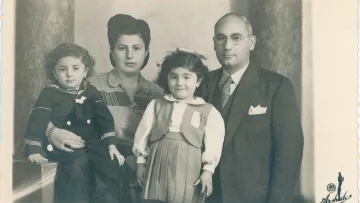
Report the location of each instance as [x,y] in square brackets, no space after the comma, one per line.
[225,93]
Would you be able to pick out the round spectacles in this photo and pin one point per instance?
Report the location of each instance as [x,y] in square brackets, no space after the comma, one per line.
[221,40]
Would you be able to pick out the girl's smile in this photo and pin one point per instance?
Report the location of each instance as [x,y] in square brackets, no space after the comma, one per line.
[182,83]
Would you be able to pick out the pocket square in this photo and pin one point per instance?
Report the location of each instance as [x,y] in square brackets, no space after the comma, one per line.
[257,110]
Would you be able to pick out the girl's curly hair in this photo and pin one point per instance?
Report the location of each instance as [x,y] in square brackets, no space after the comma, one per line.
[65,50]
[191,61]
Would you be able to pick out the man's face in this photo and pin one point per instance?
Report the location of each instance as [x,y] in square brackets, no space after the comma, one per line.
[232,43]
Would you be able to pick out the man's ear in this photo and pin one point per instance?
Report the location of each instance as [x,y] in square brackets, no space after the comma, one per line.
[252,42]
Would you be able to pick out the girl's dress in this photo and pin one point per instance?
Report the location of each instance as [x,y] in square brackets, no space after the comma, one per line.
[177,140]
[84,114]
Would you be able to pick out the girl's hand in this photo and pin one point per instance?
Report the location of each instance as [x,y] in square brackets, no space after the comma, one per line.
[206,182]
[113,151]
[140,173]
[36,158]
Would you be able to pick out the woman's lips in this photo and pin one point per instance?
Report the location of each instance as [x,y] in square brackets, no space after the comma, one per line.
[130,63]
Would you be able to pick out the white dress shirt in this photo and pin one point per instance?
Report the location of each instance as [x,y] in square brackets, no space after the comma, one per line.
[236,77]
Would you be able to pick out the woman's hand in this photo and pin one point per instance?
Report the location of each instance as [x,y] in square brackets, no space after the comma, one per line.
[140,173]
[60,137]
[206,182]
[37,158]
[113,151]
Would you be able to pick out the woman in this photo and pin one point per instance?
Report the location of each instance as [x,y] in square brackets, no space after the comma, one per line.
[124,90]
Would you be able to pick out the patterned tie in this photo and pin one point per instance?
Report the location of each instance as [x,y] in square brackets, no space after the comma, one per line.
[225,93]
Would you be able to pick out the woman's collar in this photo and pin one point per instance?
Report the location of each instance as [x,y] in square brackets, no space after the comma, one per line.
[114,81]
[195,101]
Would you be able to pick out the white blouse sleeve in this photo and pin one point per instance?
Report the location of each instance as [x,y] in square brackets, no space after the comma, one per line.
[143,132]
[213,140]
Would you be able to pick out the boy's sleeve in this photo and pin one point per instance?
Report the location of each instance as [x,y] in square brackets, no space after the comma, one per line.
[37,124]
[104,117]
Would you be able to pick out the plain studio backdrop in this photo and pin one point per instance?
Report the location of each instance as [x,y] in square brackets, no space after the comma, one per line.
[283,45]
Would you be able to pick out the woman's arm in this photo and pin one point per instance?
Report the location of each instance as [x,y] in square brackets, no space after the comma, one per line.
[59,137]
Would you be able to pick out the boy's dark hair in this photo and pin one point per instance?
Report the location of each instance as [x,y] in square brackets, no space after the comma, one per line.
[121,24]
[65,50]
[191,61]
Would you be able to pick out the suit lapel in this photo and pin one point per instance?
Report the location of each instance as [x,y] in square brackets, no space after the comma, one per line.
[243,94]
[213,83]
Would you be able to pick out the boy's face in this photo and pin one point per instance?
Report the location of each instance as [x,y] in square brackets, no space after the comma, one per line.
[70,72]
[182,83]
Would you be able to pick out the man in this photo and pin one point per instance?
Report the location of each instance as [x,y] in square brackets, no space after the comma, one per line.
[263,144]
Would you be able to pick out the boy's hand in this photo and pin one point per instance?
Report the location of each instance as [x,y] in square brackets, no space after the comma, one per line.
[37,158]
[206,182]
[140,173]
[113,151]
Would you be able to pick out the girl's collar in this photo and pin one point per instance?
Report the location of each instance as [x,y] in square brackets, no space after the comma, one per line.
[195,101]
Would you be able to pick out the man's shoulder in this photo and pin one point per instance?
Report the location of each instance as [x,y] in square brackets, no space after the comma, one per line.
[273,79]
[271,76]
[214,73]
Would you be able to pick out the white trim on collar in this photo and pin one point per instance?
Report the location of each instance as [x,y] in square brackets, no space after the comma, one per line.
[195,101]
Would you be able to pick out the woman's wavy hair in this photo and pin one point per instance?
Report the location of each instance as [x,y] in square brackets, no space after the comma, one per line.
[121,24]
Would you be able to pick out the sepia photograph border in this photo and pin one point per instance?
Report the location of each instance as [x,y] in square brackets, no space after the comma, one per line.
[329,58]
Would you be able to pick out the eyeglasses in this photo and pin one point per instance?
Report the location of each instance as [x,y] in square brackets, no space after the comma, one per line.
[236,39]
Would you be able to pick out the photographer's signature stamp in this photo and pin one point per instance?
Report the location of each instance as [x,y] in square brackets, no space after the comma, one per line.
[331,188]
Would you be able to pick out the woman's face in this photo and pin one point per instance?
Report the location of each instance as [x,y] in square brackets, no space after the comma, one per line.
[129,53]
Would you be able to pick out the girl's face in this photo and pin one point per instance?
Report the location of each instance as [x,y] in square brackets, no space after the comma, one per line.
[129,53]
[183,83]
[70,72]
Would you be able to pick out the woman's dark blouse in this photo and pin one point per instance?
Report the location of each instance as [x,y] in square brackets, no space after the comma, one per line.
[83,113]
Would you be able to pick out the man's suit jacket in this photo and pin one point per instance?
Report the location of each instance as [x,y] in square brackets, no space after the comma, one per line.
[262,154]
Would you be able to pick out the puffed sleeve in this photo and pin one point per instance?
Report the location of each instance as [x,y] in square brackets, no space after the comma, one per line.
[213,140]
[104,117]
[142,133]
[37,123]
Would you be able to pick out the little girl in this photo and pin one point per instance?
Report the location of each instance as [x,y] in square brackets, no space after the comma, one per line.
[179,139]
[73,104]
